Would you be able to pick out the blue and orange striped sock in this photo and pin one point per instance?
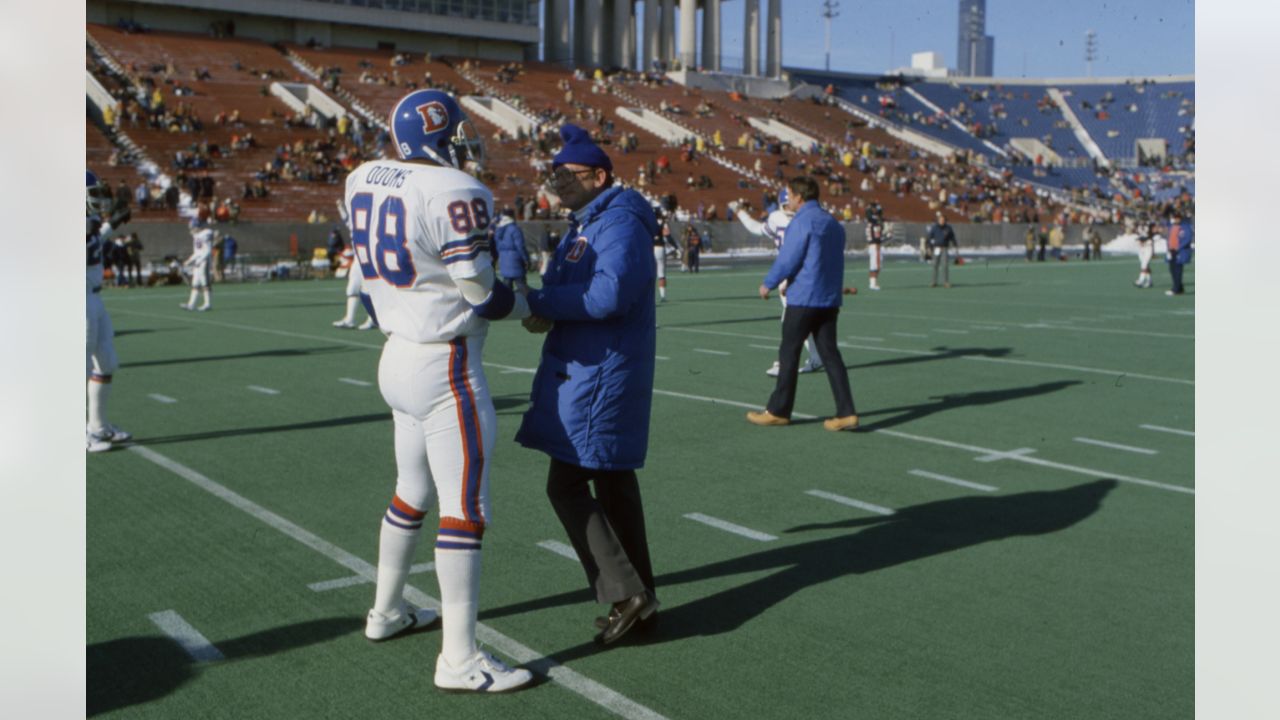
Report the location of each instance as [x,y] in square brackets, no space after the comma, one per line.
[401,528]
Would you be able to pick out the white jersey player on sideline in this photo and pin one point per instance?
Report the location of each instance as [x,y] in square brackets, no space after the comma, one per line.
[418,227]
[774,227]
[355,281]
[100,349]
[202,240]
[355,287]
[1147,232]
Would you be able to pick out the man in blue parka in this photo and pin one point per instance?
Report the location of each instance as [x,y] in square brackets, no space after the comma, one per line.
[1182,242]
[513,258]
[589,408]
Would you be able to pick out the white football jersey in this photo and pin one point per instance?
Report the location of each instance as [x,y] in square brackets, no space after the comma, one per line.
[201,245]
[773,227]
[415,228]
[94,232]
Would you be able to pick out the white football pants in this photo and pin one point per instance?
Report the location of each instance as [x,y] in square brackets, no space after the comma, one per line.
[444,424]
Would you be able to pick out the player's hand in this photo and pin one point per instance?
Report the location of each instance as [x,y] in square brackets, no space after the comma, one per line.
[536,325]
[764,292]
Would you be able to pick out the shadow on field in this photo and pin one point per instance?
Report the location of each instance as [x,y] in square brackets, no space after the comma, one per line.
[282,353]
[236,432]
[912,533]
[500,403]
[133,670]
[773,318]
[939,353]
[910,413]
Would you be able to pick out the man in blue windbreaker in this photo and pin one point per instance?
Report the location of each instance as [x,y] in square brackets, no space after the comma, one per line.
[812,262]
[591,396]
[513,258]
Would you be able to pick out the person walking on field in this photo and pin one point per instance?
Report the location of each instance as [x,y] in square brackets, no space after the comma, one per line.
[941,239]
[812,262]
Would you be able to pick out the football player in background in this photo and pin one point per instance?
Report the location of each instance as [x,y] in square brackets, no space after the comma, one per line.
[418,226]
[774,227]
[355,288]
[202,240]
[875,240]
[1147,231]
[100,348]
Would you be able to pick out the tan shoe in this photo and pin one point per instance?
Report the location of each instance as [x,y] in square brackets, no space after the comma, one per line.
[836,424]
[766,418]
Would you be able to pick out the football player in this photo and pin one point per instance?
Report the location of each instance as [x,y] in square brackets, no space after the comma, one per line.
[202,239]
[355,287]
[418,226]
[100,349]
[1147,231]
[774,227]
[875,239]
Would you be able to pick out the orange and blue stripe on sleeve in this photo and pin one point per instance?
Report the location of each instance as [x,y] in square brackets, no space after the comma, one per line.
[403,515]
[469,427]
[460,250]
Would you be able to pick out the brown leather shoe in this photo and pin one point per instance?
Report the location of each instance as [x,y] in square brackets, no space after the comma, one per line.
[626,614]
[836,424]
[765,417]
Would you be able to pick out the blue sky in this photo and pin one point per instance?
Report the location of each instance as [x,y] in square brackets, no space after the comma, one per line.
[1036,38]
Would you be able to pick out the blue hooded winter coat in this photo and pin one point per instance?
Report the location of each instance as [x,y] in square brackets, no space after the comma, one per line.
[594,386]
[513,258]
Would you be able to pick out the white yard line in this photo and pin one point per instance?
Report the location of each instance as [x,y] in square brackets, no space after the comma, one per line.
[711,352]
[263,390]
[661,357]
[162,398]
[559,548]
[353,580]
[865,338]
[986,327]
[908,335]
[952,480]
[951,332]
[849,501]
[192,641]
[1161,428]
[357,383]
[730,527]
[589,689]
[1115,446]
[764,347]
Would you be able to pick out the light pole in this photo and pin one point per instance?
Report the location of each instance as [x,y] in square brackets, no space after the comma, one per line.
[830,10]
[1090,50]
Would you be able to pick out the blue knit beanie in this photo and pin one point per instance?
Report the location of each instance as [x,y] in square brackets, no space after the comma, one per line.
[580,150]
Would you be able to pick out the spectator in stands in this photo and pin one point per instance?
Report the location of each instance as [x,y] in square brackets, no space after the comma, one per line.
[142,195]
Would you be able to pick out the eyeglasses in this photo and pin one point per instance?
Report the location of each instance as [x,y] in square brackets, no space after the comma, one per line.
[562,174]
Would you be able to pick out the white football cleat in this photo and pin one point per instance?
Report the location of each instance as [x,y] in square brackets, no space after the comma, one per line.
[343,324]
[96,443]
[481,672]
[384,627]
[204,308]
[810,367]
[367,325]
[773,371]
[185,306]
[111,433]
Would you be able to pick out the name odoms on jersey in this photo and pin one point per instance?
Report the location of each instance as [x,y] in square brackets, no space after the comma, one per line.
[415,228]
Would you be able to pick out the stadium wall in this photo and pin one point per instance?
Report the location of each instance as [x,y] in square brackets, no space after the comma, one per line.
[268,241]
[269,21]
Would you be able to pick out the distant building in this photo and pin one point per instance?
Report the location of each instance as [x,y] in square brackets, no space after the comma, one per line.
[926,64]
[975,50]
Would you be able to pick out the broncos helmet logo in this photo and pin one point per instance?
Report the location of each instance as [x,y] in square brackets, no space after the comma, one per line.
[434,117]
